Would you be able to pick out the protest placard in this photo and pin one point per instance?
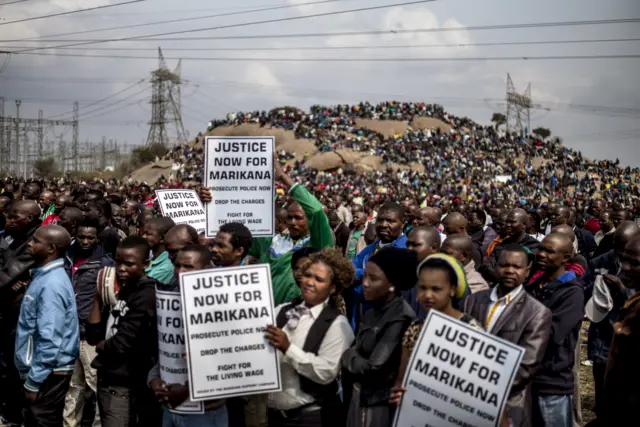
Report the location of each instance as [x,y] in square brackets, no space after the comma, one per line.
[226,312]
[183,206]
[171,346]
[457,375]
[239,173]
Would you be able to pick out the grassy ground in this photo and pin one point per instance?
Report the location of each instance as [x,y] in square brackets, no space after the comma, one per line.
[587,390]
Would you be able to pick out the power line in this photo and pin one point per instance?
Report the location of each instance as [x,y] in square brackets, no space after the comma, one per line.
[103,99]
[156,37]
[114,103]
[69,12]
[305,48]
[12,2]
[243,24]
[172,21]
[118,108]
[355,60]
[109,105]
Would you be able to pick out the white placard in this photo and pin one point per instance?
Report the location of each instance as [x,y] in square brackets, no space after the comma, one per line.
[457,375]
[171,346]
[239,173]
[226,312]
[183,207]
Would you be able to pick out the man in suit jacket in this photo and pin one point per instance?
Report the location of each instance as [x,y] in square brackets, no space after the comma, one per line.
[509,312]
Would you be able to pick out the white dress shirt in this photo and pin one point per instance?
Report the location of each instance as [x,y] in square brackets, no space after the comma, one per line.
[321,368]
[498,306]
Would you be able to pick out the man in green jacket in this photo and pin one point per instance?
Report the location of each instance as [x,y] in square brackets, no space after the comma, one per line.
[308,226]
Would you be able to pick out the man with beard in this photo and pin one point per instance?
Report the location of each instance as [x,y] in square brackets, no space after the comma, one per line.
[83,262]
[562,293]
[23,219]
[516,230]
[231,245]
[47,341]
[508,312]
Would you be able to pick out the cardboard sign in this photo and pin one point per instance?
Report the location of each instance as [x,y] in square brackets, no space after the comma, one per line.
[239,172]
[171,347]
[457,375]
[183,207]
[225,313]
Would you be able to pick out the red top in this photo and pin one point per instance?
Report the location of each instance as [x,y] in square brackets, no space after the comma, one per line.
[51,219]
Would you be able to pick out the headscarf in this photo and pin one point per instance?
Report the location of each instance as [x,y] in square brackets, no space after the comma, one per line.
[399,265]
[462,288]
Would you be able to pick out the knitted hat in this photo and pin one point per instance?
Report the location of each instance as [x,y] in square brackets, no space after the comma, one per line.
[399,265]
[462,288]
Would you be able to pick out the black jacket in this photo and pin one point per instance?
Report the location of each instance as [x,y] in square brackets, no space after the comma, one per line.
[15,264]
[374,359]
[565,298]
[128,355]
[85,280]
[586,242]
[605,245]
[342,236]
[488,269]
[477,239]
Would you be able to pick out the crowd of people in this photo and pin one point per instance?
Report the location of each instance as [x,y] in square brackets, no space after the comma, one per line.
[463,161]
[357,263]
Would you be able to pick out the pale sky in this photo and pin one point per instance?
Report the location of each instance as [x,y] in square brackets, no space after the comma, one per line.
[593,104]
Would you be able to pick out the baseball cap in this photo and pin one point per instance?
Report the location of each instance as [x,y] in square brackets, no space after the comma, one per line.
[600,303]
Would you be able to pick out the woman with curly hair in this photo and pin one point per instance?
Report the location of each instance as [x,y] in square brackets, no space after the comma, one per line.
[312,335]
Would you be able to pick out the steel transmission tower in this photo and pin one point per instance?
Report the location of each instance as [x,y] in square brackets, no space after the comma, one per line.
[16,156]
[165,105]
[518,109]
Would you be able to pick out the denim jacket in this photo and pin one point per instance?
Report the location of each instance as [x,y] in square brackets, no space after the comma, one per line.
[48,335]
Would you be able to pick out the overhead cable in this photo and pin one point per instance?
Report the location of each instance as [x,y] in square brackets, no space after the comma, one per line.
[69,12]
[361,47]
[156,37]
[242,24]
[195,18]
[354,60]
